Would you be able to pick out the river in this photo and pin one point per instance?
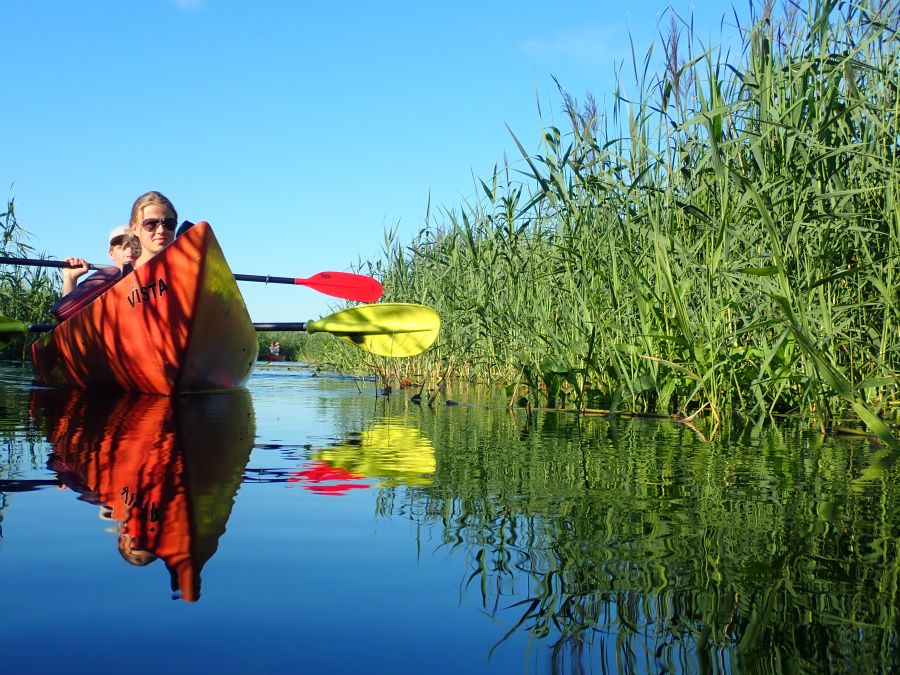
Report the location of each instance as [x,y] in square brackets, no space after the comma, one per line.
[310,524]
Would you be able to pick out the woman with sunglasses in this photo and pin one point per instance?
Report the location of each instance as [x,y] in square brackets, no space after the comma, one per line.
[153,221]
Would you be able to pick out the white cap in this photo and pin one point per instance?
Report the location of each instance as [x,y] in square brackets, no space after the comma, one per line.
[117,232]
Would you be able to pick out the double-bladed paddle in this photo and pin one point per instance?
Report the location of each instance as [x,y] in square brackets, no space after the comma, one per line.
[346,285]
[388,329]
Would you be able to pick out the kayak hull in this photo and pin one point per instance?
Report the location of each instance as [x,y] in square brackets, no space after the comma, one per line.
[177,324]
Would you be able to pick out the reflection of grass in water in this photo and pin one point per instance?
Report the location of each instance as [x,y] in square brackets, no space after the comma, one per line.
[643,546]
[21,447]
[390,450]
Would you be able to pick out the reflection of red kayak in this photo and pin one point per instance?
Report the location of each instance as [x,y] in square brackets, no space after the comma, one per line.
[166,470]
[176,324]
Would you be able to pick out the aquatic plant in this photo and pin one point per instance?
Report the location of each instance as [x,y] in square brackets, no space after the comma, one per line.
[26,293]
[726,238]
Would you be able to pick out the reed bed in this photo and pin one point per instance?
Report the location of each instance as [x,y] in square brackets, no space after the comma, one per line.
[724,239]
[26,293]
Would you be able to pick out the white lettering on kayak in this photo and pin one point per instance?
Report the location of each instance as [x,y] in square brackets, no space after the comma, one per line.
[142,294]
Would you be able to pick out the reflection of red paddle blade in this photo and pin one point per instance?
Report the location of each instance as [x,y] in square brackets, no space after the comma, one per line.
[318,475]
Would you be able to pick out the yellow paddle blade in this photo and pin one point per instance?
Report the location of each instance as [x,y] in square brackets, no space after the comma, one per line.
[9,329]
[387,329]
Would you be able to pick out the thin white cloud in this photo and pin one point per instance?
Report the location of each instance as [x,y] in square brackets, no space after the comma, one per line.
[188,5]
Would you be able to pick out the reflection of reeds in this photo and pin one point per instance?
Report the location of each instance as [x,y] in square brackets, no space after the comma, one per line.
[22,450]
[727,235]
[639,545]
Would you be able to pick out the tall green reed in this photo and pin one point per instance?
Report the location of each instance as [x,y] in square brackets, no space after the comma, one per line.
[723,238]
[26,293]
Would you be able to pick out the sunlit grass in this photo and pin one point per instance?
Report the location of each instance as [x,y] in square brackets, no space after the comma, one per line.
[725,239]
[26,293]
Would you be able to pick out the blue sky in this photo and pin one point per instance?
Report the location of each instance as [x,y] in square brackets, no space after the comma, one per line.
[300,130]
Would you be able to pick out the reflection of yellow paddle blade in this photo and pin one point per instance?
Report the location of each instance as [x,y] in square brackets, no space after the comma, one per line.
[390,450]
[387,329]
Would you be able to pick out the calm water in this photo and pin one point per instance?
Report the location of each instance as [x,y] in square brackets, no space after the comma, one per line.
[307,524]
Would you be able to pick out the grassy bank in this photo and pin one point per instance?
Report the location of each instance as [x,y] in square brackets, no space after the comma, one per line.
[26,293]
[724,238]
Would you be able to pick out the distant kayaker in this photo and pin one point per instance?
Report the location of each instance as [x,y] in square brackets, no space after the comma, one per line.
[153,221]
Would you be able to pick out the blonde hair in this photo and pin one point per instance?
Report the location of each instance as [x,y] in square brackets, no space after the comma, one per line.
[146,199]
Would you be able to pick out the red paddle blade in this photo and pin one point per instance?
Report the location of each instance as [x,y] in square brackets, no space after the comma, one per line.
[345,285]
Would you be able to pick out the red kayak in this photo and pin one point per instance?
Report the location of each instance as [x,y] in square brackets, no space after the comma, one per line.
[177,324]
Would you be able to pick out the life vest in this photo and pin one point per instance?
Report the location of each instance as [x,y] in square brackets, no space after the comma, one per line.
[96,284]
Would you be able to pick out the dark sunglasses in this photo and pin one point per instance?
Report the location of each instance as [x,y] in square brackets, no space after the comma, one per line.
[150,224]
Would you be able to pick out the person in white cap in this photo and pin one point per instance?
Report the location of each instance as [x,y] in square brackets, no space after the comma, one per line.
[124,248]
[150,229]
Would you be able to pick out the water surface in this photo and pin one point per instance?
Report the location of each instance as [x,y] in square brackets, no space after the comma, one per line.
[312,525]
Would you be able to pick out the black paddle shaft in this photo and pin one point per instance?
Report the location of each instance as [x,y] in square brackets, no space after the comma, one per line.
[62,264]
[266,279]
[299,326]
[34,262]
